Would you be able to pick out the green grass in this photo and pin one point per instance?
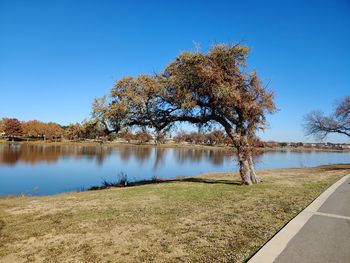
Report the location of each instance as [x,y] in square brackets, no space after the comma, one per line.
[208,220]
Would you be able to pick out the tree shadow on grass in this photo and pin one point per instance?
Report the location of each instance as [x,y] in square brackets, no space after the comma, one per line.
[209,181]
[2,224]
[106,185]
[335,167]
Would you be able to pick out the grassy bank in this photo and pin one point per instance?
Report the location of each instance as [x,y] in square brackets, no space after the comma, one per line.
[210,219]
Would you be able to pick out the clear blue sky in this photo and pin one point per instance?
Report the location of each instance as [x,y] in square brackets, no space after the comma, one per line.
[56,56]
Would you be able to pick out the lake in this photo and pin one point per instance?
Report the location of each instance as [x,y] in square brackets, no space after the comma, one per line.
[50,169]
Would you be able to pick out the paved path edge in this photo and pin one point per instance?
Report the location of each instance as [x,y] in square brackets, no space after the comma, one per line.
[270,251]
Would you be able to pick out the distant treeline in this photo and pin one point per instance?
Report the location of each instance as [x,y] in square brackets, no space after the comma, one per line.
[215,137]
[12,128]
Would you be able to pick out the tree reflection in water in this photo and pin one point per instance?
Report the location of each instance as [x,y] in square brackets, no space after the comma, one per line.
[193,155]
[10,154]
[159,157]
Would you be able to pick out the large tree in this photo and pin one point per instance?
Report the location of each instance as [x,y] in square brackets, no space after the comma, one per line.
[211,88]
[320,125]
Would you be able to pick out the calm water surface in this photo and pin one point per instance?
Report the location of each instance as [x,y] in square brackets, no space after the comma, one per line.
[50,169]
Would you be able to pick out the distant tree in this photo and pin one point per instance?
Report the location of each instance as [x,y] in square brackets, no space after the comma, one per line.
[258,143]
[126,135]
[38,129]
[179,137]
[33,128]
[319,125]
[192,137]
[199,88]
[91,129]
[198,137]
[53,131]
[2,126]
[12,127]
[143,136]
[74,131]
[216,137]
[283,144]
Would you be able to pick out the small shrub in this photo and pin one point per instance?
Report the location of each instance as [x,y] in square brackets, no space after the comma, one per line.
[122,179]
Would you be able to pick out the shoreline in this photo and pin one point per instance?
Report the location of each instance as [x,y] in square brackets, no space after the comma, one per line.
[170,145]
[184,179]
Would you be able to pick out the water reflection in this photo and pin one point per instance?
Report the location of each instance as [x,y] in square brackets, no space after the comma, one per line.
[11,154]
[159,157]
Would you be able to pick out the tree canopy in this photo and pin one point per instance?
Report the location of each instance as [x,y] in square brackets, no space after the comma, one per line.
[200,88]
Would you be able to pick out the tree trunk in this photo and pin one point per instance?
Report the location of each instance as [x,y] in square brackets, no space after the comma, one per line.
[253,176]
[246,165]
[244,170]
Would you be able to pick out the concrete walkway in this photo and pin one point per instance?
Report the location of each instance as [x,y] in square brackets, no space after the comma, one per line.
[320,233]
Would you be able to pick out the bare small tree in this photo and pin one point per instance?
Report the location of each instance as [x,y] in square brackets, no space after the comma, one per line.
[319,125]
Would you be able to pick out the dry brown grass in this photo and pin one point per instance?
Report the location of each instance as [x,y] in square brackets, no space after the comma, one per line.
[209,219]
